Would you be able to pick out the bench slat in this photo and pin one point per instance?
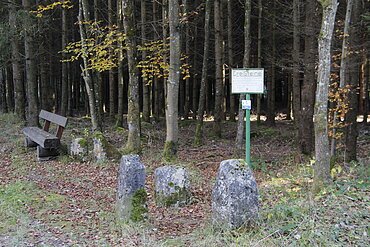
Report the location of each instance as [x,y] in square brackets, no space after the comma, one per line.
[41,137]
[54,118]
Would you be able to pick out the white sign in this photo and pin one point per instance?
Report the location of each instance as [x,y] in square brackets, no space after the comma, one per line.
[246,104]
[247,81]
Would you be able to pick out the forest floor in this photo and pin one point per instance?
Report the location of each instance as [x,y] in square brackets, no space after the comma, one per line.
[68,203]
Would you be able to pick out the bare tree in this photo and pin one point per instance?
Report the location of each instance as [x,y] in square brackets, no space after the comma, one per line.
[170,148]
[322,152]
[133,144]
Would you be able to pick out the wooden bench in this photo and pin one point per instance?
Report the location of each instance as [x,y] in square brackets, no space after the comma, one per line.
[47,143]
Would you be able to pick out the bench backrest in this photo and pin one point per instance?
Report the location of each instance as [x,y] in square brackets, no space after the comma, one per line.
[56,119]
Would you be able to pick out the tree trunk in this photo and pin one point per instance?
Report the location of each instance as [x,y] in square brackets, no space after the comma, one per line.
[259,54]
[146,92]
[119,122]
[309,84]
[133,144]
[170,149]
[322,152]
[64,104]
[187,61]
[3,105]
[230,55]
[195,93]
[112,82]
[343,73]
[296,65]
[84,15]
[31,71]
[353,82]
[9,88]
[202,93]
[246,64]
[218,109]
[272,81]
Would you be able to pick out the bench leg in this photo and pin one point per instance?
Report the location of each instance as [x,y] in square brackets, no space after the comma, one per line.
[29,143]
[44,154]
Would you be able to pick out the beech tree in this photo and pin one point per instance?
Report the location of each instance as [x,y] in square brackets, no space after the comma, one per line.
[322,152]
[133,117]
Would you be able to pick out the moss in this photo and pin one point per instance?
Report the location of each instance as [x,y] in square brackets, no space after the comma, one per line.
[325,3]
[198,134]
[139,208]
[170,151]
[179,198]
[111,151]
[83,142]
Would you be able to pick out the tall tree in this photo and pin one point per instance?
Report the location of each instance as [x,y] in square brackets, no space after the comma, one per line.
[230,54]
[146,92]
[259,55]
[170,148]
[112,82]
[353,83]
[322,152]
[83,17]
[343,72]
[295,57]
[271,85]
[19,93]
[309,83]
[31,68]
[246,64]
[202,93]
[133,144]
[218,110]
[64,104]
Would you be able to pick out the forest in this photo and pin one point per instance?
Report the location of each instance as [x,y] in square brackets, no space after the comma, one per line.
[153,78]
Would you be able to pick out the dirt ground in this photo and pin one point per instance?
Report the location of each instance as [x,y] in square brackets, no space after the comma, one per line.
[65,202]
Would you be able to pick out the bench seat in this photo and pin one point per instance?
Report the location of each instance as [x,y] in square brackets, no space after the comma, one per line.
[42,137]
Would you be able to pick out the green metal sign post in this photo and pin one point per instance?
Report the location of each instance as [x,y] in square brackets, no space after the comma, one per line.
[248,132]
[247,81]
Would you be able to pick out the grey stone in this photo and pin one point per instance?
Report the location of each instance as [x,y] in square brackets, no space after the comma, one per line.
[79,148]
[172,186]
[103,150]
[131,195]
[234,195]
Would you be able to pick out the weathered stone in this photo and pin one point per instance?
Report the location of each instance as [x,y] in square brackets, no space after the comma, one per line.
[103,150]
[172,186]
[131,195]
[79,148]
[234,196]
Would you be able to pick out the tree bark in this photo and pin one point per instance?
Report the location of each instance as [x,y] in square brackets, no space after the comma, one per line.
[296,64]
[31,69]
[230,55]
[259,54]
[133,144]
[309,84]
[146,92]
[322,152]
[84,15]
[246,64]
[353,81]
[187,60]
[9,88]
[119,122]
[202,93]
[3,103]
[272,81]
[170,149]
[112,81]
[343,73]
[64,104]
[218,109]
